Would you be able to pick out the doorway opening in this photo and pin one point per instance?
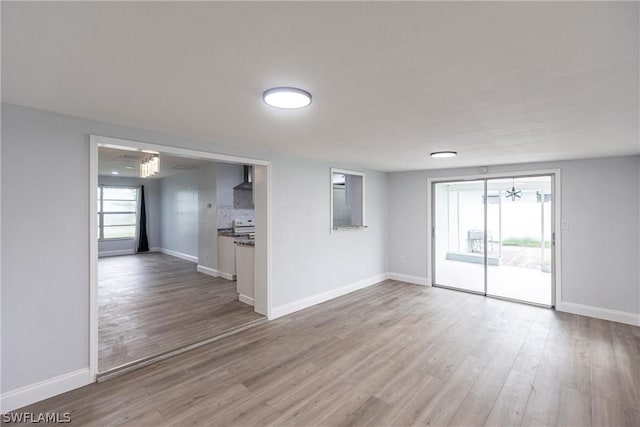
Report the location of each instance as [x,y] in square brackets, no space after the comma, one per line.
[179,250]
[495,237]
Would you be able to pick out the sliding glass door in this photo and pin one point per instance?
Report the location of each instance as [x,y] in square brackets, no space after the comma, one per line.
[519,227]
[501,248]
[459,236]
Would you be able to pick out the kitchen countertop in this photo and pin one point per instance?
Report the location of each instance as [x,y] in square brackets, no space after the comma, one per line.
[228,232]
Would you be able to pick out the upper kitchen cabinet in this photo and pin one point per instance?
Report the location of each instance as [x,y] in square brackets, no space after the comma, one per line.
[347,200]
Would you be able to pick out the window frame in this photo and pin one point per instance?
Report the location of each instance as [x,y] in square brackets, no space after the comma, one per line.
[351,227]
[101,212]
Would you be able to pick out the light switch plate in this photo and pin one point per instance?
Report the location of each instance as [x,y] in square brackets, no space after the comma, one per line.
[564,224]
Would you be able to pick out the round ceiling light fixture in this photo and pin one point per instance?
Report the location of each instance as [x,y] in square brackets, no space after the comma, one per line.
[443,154]
[287,97]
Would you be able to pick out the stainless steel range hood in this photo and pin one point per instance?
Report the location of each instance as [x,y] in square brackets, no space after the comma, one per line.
[246,184]
[243,193]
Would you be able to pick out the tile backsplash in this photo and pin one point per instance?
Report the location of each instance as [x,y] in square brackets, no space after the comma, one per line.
[226,214]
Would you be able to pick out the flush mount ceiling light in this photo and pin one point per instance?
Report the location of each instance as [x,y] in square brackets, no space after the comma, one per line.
[443,154]
[287,97]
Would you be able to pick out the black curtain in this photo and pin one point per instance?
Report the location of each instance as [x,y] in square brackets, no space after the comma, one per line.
[143,241]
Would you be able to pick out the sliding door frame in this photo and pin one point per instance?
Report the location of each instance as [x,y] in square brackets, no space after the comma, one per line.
[556,267]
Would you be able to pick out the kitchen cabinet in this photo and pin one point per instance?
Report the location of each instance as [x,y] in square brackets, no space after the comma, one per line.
[227,257]
[245,256]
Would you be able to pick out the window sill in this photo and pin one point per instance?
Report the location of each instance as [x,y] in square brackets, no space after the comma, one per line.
[115,239]
[349,228]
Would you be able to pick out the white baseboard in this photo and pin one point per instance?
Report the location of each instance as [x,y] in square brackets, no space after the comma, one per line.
[416,280]
[33,393]
[245,299]
[567,307]
[226,275]
[207,270]
[600,313]
[103,254]
[176,254]
[283,310]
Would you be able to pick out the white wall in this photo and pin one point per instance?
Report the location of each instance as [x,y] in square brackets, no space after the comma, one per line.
[341,211]
[184,225]
[179,207]
[353,195]
[315,261]
[229,175]
[152,201]
[45,257]
[600,250]
[207,218]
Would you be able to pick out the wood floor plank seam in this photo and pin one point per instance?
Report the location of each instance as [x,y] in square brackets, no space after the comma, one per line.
[391,355]
[153,304]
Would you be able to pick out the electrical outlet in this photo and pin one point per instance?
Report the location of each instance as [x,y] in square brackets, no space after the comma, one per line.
[564,224]
[402,259]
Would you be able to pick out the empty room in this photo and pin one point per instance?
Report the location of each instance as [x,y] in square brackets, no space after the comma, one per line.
[320,213]
[171,234]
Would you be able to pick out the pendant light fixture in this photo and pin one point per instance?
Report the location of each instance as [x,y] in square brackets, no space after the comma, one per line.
[513,194]
[149,166]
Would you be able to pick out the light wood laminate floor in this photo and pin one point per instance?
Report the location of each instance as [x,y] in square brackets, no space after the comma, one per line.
[153,303]
[392,354]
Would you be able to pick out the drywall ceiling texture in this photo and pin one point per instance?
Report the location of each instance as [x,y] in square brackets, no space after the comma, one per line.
[600,250]
[127,163]
[45,258]
[501,82]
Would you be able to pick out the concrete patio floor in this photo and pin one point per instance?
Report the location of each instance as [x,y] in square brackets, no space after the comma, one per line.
[519,277]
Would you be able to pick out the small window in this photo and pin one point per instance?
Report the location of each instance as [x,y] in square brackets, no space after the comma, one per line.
[347,199]
[117,212]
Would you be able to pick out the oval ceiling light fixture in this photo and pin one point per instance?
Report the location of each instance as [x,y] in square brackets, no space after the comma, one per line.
[443,154]
[287,97]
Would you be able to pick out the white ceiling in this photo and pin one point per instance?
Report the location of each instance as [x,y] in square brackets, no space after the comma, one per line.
[499,82]
[127,163]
